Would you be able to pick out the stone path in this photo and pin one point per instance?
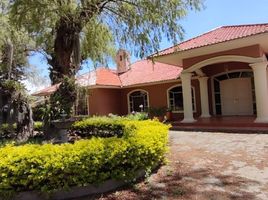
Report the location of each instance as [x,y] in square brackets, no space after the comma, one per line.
[220,165]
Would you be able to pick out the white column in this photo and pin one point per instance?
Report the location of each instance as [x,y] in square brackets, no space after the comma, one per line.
[203,82]
[261,92]
[187,98]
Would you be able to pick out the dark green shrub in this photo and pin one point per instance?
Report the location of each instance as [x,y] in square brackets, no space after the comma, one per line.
[7,131]
[157,111]
[39,112]
[98,127]
[50,167]
[38,126]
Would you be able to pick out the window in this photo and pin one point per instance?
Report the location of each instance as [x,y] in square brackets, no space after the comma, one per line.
[175,99]
[138,101]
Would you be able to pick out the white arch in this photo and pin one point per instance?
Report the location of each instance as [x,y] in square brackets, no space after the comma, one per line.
[222,59]
[136,90]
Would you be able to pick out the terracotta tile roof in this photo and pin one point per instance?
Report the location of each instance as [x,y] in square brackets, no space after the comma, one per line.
[107,77]
[47,91]
[218,35]
[146,71]
[100,76]
[140,72]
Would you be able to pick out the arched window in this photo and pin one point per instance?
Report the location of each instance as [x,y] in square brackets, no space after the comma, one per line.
[138,101]
[175,99]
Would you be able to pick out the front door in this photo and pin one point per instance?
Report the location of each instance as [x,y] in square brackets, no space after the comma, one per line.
[236,96]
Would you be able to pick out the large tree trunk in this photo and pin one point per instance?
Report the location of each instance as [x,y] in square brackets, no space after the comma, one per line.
[65,43]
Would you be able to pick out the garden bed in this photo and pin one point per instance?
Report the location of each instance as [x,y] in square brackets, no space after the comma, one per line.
[49,168]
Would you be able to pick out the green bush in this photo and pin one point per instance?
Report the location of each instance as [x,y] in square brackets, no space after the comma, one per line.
[50,167]
[38,126]
[7,131]
[39,112]
[157,111]
[98,127]
[138,116]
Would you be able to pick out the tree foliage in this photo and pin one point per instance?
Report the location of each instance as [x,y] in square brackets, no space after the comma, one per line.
[13,47]
[69,31]
[136,24]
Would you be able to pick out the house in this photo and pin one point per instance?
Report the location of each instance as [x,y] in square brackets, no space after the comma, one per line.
[220,73]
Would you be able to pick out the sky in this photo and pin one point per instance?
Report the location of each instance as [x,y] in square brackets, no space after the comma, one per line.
[216,13]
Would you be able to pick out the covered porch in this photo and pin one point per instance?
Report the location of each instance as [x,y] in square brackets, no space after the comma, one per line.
[233,84]
[238,124]
[228,92]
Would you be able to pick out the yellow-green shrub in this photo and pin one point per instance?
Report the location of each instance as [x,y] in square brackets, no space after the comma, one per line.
[38,126]
[50,167]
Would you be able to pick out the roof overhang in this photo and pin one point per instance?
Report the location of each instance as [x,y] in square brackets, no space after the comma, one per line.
[177,57]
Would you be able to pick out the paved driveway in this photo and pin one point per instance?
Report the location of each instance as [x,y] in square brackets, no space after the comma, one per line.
[221,166]
[206,166]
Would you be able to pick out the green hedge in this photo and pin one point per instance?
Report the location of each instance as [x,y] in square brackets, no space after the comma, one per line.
[99,127]
[50,167]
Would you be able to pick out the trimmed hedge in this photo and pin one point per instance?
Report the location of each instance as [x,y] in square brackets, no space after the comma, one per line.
[98,127]
[51,167]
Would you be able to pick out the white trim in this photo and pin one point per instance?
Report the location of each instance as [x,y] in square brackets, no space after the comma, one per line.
[103,86]
[180,85]
[128,103]
[212,84]
[152,83]
[223,59]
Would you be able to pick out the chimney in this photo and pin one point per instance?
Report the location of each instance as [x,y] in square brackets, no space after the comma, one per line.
[122,61]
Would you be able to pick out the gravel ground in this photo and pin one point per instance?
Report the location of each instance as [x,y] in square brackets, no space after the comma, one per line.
[206,166]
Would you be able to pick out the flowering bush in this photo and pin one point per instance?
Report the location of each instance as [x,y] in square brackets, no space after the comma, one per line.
[51,167]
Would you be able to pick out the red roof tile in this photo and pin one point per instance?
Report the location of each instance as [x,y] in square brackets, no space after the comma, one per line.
[146,71]
[219,35]
[107,77]
[100,76]
[47,91]
[141,72]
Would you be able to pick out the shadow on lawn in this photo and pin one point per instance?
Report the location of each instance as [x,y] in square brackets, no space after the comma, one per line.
[199,184]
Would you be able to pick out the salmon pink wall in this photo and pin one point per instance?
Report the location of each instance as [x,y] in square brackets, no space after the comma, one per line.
[104,101]
[252,51]
[158,96]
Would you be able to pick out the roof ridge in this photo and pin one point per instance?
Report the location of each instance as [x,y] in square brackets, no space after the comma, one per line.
[240,25]
[94,70]
[176,47]
[193,38]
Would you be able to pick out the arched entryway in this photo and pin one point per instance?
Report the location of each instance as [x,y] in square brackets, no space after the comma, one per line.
[138,101]
[232,88]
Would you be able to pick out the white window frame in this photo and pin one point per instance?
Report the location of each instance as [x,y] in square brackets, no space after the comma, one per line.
[137,90]
[180,85]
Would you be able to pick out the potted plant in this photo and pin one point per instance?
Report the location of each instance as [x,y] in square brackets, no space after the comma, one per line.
[157,112]
[169,114]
